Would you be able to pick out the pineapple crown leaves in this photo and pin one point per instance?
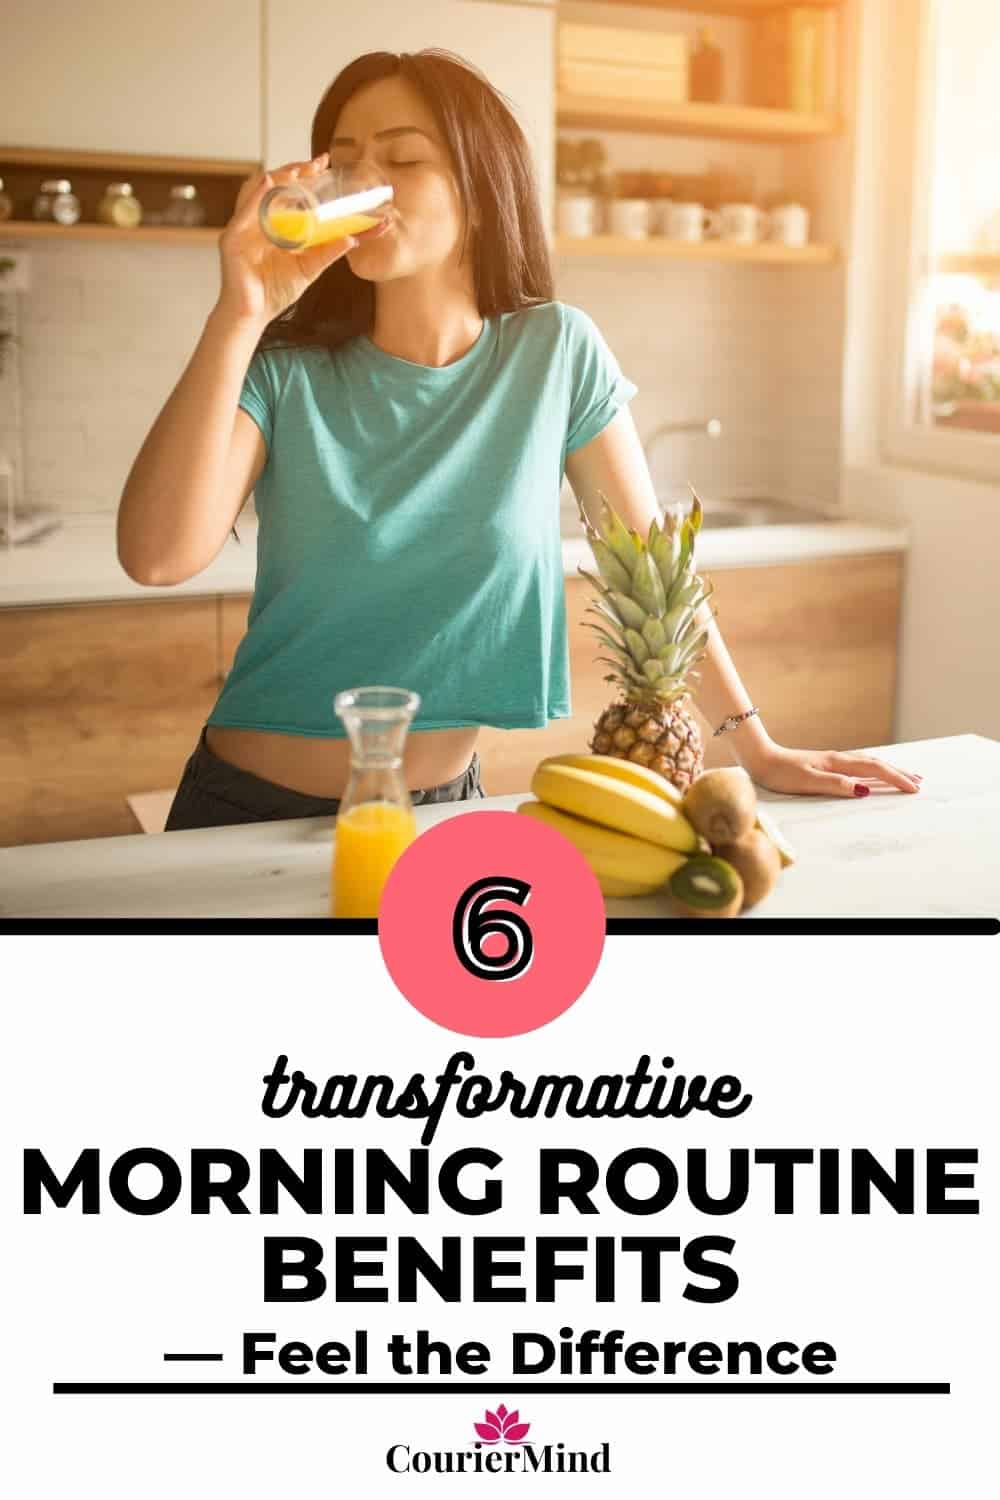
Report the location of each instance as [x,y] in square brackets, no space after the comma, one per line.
[650,596]
[647,586]
[628,611]
[613,571]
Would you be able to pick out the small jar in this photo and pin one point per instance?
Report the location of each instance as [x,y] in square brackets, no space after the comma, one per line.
[185,207]
[56,202]
[6,203]
[120,206]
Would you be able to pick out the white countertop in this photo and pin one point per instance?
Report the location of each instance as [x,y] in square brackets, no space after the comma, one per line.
[78,563]
[935,853]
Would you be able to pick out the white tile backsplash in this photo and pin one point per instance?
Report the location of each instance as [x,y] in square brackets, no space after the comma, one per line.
[107,330]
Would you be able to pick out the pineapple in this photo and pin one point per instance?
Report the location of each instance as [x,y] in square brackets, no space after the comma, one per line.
[647,620]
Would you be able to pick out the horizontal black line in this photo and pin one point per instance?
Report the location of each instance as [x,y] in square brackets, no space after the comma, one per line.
[186,1357]
[817,926]
[518,1388]
[616,926]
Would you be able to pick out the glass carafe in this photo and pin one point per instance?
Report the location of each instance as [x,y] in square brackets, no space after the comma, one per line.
[375,822]
[325,206]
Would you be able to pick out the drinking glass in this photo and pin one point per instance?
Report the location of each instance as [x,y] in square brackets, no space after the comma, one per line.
[326,206]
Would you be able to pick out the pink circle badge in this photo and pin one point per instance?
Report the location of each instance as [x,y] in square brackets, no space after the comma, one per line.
[491,924]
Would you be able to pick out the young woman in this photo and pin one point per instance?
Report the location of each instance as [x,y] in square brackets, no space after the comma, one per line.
[403,405]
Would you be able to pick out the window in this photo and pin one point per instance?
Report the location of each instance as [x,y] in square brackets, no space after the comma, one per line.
[945,402]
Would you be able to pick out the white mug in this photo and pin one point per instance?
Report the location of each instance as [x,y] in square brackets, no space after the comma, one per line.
[790,224]
[691,222]
[630,218]
[577,216]
[660,210]
[743,223]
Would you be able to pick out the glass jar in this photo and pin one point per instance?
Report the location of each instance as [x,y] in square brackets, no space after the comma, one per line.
[184,207]
[120,206]
[56,203]
[325,206]
[6,203]
[375,820]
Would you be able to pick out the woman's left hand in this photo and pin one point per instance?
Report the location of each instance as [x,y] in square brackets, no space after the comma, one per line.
[826,773]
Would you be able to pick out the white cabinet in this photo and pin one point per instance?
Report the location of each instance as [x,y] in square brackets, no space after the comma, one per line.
[308,44]
[182,79]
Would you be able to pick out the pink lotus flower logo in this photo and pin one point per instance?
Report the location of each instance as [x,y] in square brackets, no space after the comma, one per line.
[502,1424]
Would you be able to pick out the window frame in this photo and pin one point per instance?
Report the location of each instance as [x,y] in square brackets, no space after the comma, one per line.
[906,441]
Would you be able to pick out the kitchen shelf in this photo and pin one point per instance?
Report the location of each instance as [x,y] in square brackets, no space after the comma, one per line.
[165,234]
[727,7]
[972,262]
[25,168]
[705,250]
[720,121]
[112,161]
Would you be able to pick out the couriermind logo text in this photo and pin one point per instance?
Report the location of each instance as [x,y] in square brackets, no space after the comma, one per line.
[500,1448]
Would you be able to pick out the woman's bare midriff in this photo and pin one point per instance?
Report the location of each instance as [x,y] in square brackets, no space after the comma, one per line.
[320,768]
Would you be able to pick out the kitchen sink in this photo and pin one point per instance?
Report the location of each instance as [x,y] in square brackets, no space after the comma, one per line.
[727,513]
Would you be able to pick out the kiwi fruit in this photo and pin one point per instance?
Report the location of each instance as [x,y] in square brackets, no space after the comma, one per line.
[757,862]
[706,886]
[721,805]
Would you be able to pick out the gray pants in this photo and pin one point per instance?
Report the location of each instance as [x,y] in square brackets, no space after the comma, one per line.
[212,793]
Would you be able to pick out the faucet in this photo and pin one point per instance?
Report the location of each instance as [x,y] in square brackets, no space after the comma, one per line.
[711,428]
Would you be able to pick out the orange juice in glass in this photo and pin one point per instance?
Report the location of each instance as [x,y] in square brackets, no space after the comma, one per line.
[375,822]
[325,206]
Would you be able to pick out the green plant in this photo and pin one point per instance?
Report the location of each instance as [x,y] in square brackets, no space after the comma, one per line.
[966,358]
[581,164]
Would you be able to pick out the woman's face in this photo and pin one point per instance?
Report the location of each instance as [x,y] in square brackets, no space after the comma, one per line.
[388,124]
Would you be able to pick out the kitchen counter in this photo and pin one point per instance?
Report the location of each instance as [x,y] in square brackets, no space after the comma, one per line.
[78,564]
[935,853]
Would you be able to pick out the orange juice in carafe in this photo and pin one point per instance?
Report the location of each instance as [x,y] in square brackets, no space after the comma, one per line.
[368,841]
[375,822]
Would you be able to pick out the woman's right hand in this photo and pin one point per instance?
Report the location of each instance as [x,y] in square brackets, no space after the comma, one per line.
[259,281]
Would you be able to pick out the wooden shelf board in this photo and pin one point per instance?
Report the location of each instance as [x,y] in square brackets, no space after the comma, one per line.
[974,262]
[706,250]
[721,121]
[726,7]
[27,229]
[116,161]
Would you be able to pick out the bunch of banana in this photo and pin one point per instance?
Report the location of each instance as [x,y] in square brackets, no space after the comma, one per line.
[625,819]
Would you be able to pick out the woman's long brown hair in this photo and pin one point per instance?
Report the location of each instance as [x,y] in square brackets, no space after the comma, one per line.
[497,186]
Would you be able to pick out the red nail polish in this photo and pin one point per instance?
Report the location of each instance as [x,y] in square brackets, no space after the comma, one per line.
[860,790]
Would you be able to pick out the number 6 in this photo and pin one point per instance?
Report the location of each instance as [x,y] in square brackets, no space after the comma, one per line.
[471,925]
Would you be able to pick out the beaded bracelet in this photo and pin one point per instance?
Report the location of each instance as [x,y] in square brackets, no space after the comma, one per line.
[734,720]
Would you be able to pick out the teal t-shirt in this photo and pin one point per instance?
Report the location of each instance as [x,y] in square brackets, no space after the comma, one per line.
[409,525]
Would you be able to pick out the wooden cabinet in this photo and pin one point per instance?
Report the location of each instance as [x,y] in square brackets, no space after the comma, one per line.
[232,627]
[177,80]
[815,644]
[309,44]
[98,701]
